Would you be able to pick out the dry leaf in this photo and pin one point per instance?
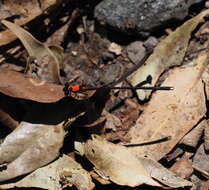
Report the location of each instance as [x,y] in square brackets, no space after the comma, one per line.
[64,171]
[172,113]
[29,147]
[205,78]
[192,138]
[99,178]
[169,52]
[117,162]
[163,175]
[204,185]
[17,85]
[183,167]
[115,48]
[27,10]
[206,136]
[44,56]
[7,120]
[200,161]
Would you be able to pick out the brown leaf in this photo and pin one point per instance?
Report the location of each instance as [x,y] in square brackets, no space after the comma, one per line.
[169,52]
[204,185]
[7,120]
[64,170]
[29,147]
[183,167]
[44,56]
[171,113]
[117,162]
[17,85]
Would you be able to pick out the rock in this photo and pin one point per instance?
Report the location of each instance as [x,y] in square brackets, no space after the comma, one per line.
[150,43]
[136,51]
[107,56]
[141,17]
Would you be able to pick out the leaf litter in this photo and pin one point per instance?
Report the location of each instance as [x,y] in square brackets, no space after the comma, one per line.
[28,147]
[42,53]
[174,113]
[124,168]
[169,52]
[178,112]
[15,84]
[27,11]
[64,169]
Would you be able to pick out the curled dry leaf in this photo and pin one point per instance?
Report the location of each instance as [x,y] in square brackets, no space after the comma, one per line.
[64,171]
[117,162]
[26,10]
[29,147]
[172,113]
[17,85]
[43,54]
[163,175]
[169,52]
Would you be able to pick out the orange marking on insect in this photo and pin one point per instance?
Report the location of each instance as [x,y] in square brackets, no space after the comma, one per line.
[75,88]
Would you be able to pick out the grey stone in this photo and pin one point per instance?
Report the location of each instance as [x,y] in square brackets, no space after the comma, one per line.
[151,42]
[141,16]
[136,51]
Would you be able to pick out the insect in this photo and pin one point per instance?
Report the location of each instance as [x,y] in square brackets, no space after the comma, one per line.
[79,89]
[82,89]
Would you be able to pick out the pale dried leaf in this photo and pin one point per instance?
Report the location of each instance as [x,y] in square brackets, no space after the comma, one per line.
[117,162]
[65,170]
[17,85]
[163,175]
[169,52]
[29,147]
[38,50]
[171,113]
